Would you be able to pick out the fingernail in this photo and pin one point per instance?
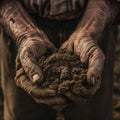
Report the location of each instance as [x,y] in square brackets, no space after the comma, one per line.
[36,77]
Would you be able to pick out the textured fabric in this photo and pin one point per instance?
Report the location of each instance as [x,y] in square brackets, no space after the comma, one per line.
[55,9]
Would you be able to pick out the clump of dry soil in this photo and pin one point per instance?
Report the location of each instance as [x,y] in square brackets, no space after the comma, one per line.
[64,72]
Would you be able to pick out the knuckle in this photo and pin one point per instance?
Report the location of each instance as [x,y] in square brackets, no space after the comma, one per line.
[17,82]
[18,79]
[22,52]
[31,91]
[37,101]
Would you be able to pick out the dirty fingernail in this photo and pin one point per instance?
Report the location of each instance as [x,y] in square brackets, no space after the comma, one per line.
[36,77]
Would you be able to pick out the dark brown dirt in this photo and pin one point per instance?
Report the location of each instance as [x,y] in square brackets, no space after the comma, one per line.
[64,72]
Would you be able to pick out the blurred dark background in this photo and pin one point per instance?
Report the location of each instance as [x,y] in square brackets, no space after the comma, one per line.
[116,92]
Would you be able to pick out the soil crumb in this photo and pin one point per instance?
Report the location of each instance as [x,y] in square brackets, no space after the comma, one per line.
[64,72]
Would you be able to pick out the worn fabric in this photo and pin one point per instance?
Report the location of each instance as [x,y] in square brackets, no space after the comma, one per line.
[55,9]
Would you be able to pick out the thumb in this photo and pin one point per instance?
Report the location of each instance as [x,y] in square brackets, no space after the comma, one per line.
[95,67]
[31,68]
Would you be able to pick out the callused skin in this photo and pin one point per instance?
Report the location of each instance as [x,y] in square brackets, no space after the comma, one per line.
[33,43]
[84,41]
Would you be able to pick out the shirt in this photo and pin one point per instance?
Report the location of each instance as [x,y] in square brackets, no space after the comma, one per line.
[55,9]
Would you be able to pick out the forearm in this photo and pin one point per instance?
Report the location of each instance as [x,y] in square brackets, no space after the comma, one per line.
[16,21]
[98,14]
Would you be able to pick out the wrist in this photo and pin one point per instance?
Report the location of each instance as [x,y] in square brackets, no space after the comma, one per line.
[17,23]
[86,35]
[97,16]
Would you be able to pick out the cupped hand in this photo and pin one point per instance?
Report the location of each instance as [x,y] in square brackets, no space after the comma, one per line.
[30,51]
[41,95]
[90,53]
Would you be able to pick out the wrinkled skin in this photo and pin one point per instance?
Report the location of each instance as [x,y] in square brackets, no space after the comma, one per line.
[90,53]
[28,55]
[32,44]
[43,96]
[30,51]
[26,69]
[21,28]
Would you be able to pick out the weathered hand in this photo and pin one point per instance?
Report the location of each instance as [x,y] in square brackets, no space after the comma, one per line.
[31,49]
[32,41]
[42,96]
[89,52]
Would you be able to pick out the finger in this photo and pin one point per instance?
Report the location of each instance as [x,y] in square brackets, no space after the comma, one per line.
[31,68]
[95,67]
[47,42]
[74,98]
[19,69]
[67,46]
[81,91]
[93,89]
[84,48]
[96,86]
[19,72]
[86,51]
[51,100]
[17,62]
[51,47]
[33,90]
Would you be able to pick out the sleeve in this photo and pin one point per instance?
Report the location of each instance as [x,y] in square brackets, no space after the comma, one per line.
[32,5]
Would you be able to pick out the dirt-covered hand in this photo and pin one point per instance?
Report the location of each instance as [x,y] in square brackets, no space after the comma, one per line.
[31,41]
[90,53]
[29,53]
[40,95]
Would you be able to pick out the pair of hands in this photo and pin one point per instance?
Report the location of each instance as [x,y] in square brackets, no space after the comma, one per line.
[29,75]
